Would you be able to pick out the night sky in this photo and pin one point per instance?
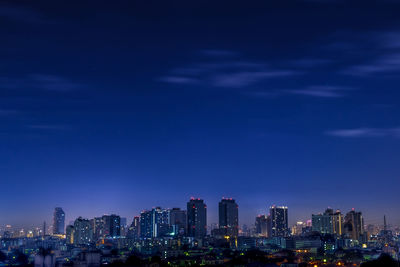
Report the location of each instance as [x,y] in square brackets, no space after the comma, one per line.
[120,106]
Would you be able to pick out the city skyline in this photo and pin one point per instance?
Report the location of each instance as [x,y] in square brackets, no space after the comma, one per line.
[252,222]
[115,109]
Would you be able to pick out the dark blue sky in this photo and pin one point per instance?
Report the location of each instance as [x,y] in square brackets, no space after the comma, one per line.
[118,107]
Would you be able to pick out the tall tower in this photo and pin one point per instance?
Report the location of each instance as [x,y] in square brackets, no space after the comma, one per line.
[263,225]
[384,223]
[177,220]
[279,221]
[134,229]
[154,223]
[112,225]
[323,223]
[337,222]
[83,232]
[44,228]
[58,221]
[229,217]
[354,225]
[197,218]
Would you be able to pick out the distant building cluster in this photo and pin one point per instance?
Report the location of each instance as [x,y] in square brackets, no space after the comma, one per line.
[173,234]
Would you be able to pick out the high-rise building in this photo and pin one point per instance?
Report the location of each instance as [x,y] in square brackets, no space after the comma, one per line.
[112,225]
[124,226]
[97,227]
[154,223]
[69,234]
[337,223]
[197,218]
[146,227]
[297,229]
[279,221]
[58,221]
[261,225]
[83,232]
[228,217]
[177,221]
[134,229]
[354,225]
[44,231]
[323,223]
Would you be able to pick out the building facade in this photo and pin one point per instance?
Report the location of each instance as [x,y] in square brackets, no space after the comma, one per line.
[279,221]
[58,221]
[197,218]
[228,212]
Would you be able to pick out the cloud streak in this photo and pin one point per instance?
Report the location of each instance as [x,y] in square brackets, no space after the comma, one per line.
[41,82]
[320,91]
[384,65]
[226,74]
[365,132]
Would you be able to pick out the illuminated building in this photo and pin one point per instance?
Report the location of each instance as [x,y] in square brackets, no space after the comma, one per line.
[354,225]
[177,221]
[146,224]
[83,232]
[98,227]
[197,218]
[69,234]
[297,229]
[112,225]
[322,223]
[263,225]
[124,226]
[337,223]
[134,229]
[329,222]
[58,221]
[228,217]
[154,223]
[279,221]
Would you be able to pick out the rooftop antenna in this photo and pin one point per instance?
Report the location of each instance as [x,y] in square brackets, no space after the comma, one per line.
[384,223]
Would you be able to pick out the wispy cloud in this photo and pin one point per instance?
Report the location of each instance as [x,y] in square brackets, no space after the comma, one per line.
[365,132]
[227,74]
[386,64]
[320,91]
[310,62]
[178,80]
[54,83]
[390,40]
[39,81]
[243,79]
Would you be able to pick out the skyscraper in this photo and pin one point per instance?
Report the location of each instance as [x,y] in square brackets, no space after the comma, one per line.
[154,223]
[146,228]
[112,225]
[124,226]
[323,223]
[177,221]
[134,229]
[58,221]
[69,234]
[263,225]
[279,221]
[83,232]
[228,217]
[354,225]
[197,218]
[97,227]
[337,223]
